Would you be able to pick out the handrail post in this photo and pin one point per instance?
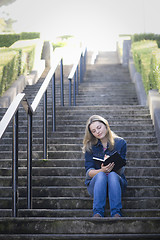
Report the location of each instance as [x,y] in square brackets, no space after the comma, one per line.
[62,84]
[53,104]
[74,90]
[15,166]
[45,155]
[85,56]
[70,92]
[29,160]
[77,84]
[81,69]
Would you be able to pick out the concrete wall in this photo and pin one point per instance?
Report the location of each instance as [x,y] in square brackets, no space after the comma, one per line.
[126,52]
[154,106]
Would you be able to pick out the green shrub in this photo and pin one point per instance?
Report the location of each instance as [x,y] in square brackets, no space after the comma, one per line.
[9,68]
[6,40]
[29,35]
[27,56]
[15,61]
[26,49]
[142,53]
[26,59]
[154,75]
[146,36]
[59,44]
[62,41]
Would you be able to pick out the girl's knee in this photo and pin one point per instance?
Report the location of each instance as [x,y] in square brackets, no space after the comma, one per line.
[113,176]
[101,176]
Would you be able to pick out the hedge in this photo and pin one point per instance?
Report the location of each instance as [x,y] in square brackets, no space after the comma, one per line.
[6,40]
[146,57]
[9,68]
[146,36]
[26,57]
[62,41]
[155,69]
[29,35]
[15,62]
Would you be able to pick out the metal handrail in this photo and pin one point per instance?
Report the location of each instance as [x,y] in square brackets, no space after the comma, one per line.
[31,109]
[78,77]
[12,113]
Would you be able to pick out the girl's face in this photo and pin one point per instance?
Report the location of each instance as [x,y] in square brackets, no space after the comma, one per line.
[98,129]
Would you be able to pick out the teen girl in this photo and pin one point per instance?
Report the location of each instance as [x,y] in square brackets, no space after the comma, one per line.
[101,142]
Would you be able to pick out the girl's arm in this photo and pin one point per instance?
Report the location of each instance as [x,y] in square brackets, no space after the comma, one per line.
[105,169]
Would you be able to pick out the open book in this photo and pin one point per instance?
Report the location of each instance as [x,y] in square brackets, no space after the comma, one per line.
[116,158]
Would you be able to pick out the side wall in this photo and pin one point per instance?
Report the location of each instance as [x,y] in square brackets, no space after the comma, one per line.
[153,98]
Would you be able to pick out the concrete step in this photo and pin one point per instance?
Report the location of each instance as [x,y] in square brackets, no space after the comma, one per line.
[78,171]
[76,154]
[81,191]
[77,213]
[79,236]
[77,181]
[66,120]
[80,202]
[112,121]
[78,140]
[130,128]
[79,132]
[78,147]
[102,110]
[121,133]
[131,162]
[80,226]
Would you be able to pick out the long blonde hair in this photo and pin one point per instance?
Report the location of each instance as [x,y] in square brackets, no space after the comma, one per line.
[90,140]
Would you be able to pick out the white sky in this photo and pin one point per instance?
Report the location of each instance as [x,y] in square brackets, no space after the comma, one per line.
[99,20]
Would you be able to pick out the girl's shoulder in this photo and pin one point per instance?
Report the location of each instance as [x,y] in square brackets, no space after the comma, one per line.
[119,141]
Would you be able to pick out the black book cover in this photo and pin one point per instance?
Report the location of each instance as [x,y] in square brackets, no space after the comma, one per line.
[116,158]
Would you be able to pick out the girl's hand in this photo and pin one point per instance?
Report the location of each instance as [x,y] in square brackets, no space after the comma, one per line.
[108,168]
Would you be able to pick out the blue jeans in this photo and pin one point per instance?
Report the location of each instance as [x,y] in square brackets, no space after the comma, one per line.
[98,190]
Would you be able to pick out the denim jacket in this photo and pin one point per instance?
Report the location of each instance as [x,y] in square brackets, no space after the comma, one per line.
[98,151]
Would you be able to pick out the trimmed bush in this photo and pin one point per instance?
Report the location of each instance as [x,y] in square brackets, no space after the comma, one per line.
[146,36]
[9,68]
[15,61]
[26,59]
[59,44]
[142,53]
[29,35]
[154,75]
[6,40]
[62,41]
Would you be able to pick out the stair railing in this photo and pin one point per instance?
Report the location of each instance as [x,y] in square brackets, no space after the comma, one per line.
[31,109]
[76,75]
[12,113]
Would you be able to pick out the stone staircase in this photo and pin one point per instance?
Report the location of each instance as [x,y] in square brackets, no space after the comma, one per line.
[62,208]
